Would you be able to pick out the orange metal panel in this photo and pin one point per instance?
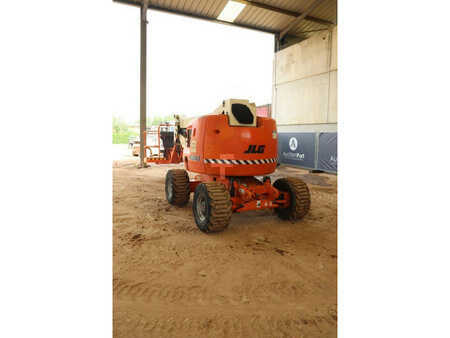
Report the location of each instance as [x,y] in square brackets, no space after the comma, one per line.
[213,139]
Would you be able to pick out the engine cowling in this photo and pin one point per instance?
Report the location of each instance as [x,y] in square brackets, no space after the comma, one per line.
[216,147]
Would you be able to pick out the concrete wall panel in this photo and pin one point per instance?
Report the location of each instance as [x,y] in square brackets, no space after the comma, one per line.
[332,103]
[333,65]
[303,101]
[303,128]
[304,59]
[305,97]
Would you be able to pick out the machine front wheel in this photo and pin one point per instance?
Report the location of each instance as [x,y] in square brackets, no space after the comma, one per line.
[212,207]
[299,196]
[177,187]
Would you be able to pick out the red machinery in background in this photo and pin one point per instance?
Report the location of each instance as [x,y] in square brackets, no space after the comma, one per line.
[264,111]
[166,143]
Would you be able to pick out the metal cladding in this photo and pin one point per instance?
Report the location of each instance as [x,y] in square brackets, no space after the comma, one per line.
[265,15]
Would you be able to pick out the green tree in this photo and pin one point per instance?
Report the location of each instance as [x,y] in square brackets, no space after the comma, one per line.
[159,119]
[121,131]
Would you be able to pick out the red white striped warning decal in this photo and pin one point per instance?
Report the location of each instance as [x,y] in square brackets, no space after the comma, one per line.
[262,161]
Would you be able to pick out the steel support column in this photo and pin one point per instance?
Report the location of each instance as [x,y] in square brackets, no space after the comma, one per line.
[276,40]
[143,84]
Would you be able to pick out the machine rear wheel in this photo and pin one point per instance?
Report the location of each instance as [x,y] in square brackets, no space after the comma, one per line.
[177,187]
[212,207]
[300,198]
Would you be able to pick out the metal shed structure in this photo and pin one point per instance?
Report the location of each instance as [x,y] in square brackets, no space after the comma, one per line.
[290,21]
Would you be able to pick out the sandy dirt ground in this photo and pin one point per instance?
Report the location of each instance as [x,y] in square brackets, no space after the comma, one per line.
[262,277]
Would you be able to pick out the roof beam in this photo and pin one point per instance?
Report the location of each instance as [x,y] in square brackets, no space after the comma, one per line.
[300,18]
[137,3]
[284,11]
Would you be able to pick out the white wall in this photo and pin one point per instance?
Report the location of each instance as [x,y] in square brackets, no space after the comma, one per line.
[305,81]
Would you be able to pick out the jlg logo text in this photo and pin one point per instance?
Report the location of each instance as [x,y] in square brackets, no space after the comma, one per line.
[255,149]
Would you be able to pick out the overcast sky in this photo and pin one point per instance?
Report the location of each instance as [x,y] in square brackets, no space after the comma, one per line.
[192,64]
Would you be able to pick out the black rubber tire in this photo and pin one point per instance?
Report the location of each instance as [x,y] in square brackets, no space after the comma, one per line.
[212,207]
[300,198]
[177,187]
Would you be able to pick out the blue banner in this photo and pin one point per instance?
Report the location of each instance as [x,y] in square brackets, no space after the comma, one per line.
[297,149]
[327,152]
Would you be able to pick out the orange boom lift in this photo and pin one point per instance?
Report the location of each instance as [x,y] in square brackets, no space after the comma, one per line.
[171,150]
[232,152]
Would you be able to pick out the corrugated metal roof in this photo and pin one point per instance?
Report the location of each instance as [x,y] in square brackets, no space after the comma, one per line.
[253,16]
